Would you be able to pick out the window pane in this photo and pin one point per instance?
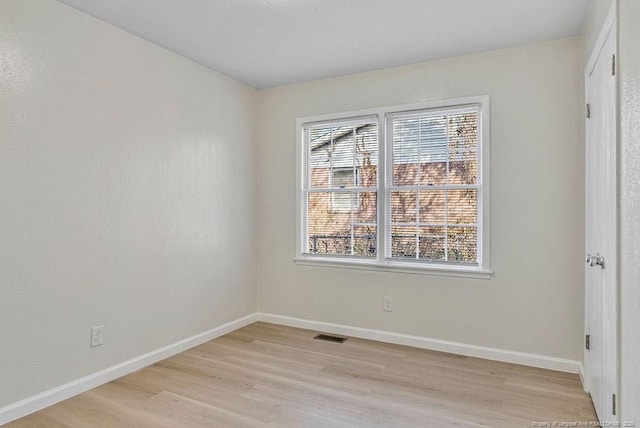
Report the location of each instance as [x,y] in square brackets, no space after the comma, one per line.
[405,174]
[405,151]
[348,231]
[433,173]
[365,241]
[318,155]
[462,244]
[367,155]
[463,168]
[463,206]
[335,148]
[433,139]
[341,202]
[463,131]
[432,207]
[328,230]
[342,153]
[403,207]
[343,178]
[403,241]
[419,150]
[432,243]
[365,207]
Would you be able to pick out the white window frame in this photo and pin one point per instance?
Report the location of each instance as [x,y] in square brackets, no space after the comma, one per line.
[381,262]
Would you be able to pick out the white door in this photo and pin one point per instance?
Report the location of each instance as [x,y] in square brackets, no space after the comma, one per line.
[601,228]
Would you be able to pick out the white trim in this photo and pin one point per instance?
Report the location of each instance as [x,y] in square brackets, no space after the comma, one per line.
[583,378]
[484,180]
[301,203]
[514,357]
[379,263]
[55,395]
[391,265]
[390,109]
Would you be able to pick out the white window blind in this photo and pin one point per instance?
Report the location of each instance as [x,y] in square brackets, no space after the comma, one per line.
[397,188]
[432,193]
[341,187]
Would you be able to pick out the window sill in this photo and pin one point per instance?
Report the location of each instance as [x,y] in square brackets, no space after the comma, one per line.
[398,267]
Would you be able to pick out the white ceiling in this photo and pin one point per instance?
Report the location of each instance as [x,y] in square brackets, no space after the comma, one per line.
[267,43]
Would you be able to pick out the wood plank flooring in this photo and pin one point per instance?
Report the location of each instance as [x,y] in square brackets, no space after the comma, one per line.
[269,375]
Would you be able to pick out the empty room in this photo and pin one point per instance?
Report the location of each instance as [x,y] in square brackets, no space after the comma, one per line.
[319,213]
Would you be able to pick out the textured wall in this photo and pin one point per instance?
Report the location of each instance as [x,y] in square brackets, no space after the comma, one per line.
[629,66]
[534,302]
[127,197]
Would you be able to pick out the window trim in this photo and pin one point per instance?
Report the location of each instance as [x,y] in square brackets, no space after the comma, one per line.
[381,263]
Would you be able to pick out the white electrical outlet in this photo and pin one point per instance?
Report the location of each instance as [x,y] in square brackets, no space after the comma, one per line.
[388,304]
[97,335]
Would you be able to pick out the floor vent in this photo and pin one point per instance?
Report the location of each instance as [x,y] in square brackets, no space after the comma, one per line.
[330,338]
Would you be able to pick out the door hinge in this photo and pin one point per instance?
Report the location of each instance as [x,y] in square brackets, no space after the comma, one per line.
[613,64]
[588,111]
[587,342]
[613,402]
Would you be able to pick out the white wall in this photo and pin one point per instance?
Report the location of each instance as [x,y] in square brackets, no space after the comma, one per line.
[629,90]
[127,196]
[534,302]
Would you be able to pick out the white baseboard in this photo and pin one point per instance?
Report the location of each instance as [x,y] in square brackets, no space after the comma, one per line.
[583,378]
[533,360]
[62,392]
[55,395]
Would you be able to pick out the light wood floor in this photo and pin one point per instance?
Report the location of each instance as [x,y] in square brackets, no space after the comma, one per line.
[265,374]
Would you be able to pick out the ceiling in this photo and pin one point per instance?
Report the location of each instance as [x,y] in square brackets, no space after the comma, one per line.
[267,43]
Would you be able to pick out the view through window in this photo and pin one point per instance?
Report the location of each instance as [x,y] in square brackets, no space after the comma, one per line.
[431,189]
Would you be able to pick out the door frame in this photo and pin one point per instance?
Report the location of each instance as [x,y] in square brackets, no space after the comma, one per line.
[609,26]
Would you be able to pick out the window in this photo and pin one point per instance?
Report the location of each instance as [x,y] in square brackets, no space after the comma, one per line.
[432,191]
[401,188]
[340,189]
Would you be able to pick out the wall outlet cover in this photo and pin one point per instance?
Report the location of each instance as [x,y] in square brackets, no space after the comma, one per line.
[97,335]
[388,304]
